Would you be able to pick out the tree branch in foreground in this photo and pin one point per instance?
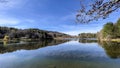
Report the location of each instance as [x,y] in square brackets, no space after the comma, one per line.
[98,9]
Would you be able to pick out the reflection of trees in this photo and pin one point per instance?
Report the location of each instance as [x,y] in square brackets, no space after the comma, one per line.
[112,49]
[29,45]
[87,40]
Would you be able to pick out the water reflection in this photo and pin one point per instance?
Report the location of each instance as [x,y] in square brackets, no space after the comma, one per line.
[112,49]
[72,54]
[87,40]
[10,47]
[5,43]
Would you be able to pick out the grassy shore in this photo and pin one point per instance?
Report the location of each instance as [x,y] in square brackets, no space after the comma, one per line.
[115,40]
[112,40]
[18,39]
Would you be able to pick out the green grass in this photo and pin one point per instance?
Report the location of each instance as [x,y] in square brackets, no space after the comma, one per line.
[115,40]
[112,40]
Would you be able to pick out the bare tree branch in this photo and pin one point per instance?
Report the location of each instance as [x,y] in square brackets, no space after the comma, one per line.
[98,9]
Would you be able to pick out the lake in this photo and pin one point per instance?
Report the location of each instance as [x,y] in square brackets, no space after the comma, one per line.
[60,54]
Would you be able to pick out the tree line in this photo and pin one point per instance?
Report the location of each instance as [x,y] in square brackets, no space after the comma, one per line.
[87,35]
[31,33]
[110,31]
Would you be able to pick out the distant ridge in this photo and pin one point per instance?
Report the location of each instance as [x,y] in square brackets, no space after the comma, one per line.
[31,33]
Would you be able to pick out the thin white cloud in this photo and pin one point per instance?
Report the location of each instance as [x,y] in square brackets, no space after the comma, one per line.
[20,26]
[76,32]
[9,4]
[77,29]
[72,32]
[8,22]
[68,17]
[30,20]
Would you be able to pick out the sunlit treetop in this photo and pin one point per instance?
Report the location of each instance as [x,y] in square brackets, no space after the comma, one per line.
[97,9]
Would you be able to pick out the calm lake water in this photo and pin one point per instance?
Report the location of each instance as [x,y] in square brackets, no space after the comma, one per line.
[60,54]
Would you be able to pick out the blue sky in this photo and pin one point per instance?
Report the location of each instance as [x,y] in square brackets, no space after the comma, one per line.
[53,15]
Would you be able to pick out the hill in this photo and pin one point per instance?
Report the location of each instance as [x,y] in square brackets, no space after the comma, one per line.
[31,33]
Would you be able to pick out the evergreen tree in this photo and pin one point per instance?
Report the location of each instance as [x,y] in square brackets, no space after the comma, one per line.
[108,30]
[117,26]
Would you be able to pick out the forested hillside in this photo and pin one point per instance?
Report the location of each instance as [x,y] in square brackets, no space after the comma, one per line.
[110,31]
[87,35]
[29,33]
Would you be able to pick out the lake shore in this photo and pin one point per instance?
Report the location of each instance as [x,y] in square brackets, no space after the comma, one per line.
[27,40]
[111,40]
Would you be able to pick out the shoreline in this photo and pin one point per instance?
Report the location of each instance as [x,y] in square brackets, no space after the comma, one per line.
[111,40]
[17,39]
